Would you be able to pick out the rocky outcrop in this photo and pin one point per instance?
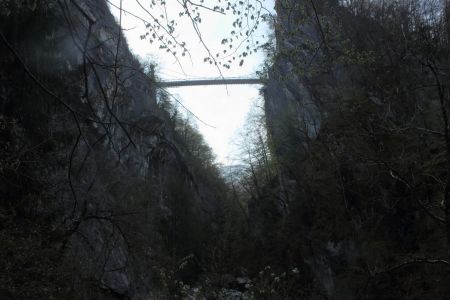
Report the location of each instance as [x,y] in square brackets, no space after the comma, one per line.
[333,101]
[106,155]
[295,108]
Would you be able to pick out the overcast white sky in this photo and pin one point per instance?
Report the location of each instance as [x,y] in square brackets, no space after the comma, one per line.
[224,108]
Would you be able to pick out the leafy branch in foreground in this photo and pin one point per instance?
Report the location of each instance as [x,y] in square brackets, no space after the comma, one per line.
[163,22]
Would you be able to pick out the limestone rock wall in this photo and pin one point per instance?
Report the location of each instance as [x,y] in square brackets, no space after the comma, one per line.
[77,94]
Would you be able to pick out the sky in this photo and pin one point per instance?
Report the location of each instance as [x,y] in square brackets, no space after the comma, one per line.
[223,108]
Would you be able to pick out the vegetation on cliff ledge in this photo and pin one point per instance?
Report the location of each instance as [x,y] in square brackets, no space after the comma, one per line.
[108,192]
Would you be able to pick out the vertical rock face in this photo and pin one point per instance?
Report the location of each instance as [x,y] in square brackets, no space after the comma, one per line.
[295,107]
[98,159]
[72,91]
[332,98]
[300,92]
[295,100]
[293,111]
[288,100]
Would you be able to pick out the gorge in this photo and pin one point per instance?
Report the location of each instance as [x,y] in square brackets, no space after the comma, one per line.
[108,192]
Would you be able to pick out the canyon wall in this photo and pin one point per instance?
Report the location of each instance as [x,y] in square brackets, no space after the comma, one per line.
[92,171]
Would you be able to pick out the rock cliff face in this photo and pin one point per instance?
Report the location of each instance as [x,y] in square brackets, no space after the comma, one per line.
[328,113]
[298,99]
[86,144]
[298,95]
[288,99]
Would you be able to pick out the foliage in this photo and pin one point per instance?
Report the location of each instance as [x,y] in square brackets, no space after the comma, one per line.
[361,207]
[368,192]
[270,285]
[163,19]
[32,264]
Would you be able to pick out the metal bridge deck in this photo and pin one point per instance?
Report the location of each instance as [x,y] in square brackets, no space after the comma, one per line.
[220,81]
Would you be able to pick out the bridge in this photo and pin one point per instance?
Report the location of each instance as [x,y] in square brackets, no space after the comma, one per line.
[216,81]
